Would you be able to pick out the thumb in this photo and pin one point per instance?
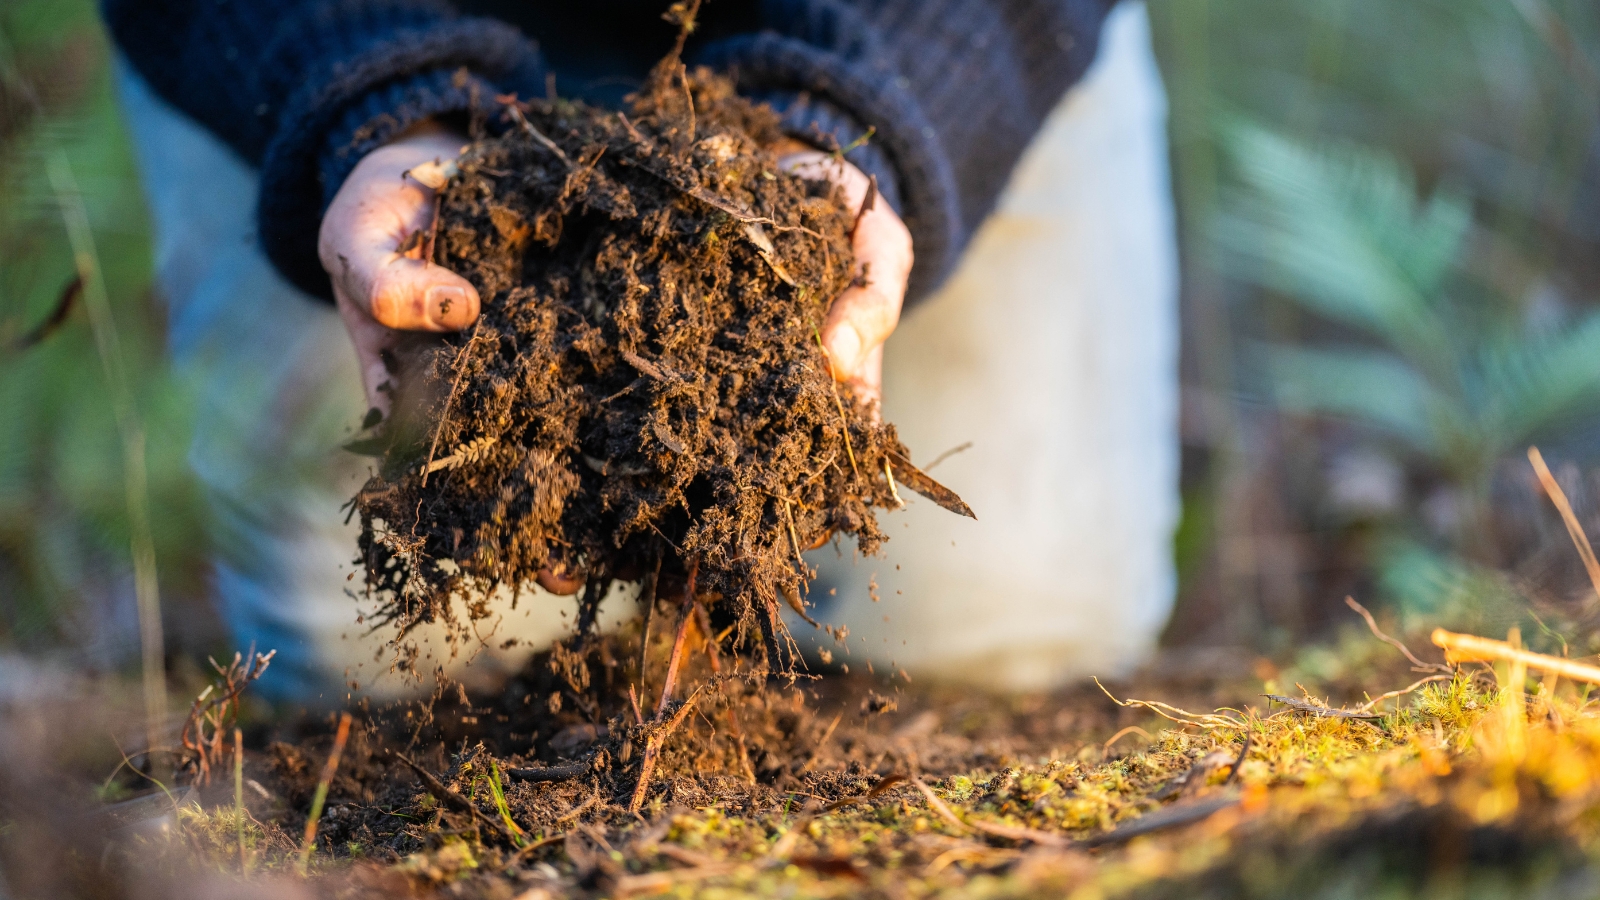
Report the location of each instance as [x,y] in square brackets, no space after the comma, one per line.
[414,295]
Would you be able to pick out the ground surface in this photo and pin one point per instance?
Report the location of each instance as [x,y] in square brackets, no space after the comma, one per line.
[848,787]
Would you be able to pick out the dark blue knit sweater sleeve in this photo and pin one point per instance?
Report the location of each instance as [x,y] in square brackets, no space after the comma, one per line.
[953,89]
[303,88]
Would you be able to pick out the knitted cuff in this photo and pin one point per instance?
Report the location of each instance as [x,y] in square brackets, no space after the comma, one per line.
[927,196]
[376,118]
[356,104]
[827,127]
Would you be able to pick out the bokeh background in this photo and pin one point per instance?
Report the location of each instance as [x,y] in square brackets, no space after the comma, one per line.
[1389,218]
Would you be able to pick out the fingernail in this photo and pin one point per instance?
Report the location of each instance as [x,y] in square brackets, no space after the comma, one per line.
[844,352]
[446,305]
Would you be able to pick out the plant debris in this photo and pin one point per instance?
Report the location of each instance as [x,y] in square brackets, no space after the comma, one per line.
[645,390]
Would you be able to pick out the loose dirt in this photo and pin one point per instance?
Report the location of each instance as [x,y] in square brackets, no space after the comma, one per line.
[645,394]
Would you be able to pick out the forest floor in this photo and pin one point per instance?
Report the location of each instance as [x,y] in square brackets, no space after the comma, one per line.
[849,787]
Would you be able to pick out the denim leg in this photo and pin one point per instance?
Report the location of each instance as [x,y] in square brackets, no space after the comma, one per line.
[279,393]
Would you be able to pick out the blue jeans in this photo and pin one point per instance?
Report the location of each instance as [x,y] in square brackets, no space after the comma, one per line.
[279,393]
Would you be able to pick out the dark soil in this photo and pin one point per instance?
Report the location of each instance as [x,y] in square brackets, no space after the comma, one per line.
[571,759]
[645,391]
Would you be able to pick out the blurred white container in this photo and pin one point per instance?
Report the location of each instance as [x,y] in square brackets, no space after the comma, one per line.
[1053,351]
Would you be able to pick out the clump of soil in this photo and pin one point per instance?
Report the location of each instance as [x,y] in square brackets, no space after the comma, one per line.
[645,391]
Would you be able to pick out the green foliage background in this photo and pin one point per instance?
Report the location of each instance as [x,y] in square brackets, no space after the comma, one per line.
[63,508]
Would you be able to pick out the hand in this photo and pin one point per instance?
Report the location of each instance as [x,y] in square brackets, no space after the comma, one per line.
[865,314]
[380,291]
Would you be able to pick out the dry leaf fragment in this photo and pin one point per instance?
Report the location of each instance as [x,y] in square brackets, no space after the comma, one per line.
[919,481]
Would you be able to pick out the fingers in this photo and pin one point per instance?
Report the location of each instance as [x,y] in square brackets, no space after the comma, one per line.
[864,316]
[868,380]
[415,295]
[379,288]
[562,584]
[371,340]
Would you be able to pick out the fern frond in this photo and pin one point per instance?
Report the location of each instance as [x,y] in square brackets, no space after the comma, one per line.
[1343,234]
[1368,387]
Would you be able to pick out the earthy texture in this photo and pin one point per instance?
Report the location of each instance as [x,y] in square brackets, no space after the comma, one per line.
[646,390]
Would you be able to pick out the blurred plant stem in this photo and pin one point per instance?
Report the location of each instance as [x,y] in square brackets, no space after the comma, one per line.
[146,587]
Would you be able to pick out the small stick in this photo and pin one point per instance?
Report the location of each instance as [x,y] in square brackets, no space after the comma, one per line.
[688,97]
[961,448]
[702,620]
[451,798]
[794,536]
[867,203]
[1173,713]
[647,594]
[1367,707]
[1459,648]
[444,417]
[309,843]
[1574,527]
[833,385]
[238,797]
[1011,832]
[550,773]
[652,749]
[1372,624]
[1105,748]
[433,230]
[676,659]
[894,491]
[536,134]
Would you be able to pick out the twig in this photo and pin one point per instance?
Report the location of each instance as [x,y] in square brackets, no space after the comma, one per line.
[238,798]
[844,423]
[1372,624]
[1471,648]
[652,749]
[1173,713]
[867,203]
[536,134]
[455,385]
[309,842]
[1403,691]
[1170,817]
[451,798]
[1574,527]
[794,536]
[688,98]
[217,708]
[1319,710]
[894,491]
[959,448]
[675,661]
[550,773]
[656,882]
[647,595]
[1131,729]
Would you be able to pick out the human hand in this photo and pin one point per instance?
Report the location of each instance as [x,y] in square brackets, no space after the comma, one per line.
[380,290]
[866,313]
